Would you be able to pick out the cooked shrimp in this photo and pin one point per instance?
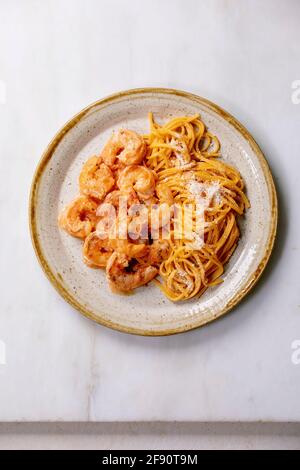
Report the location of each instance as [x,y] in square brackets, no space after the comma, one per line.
[128,248]
[125,275]
[107,214]
[158,252]
[164,193]
[126,146]
[139,178]
[79,218]
[96,251]
[116,196]
[113,198]
[96,179]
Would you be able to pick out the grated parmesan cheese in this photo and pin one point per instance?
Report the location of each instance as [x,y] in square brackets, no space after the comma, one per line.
[204,193]
[186,279]
[180,152]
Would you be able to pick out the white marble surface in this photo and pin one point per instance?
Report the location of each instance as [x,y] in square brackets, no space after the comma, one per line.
[55,58]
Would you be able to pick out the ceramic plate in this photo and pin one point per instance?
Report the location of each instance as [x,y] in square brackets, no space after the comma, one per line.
[147,311]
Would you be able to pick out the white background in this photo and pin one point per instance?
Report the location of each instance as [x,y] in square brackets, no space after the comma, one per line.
[55,58]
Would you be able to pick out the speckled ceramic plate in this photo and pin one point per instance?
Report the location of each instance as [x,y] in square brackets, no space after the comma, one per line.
[147,311]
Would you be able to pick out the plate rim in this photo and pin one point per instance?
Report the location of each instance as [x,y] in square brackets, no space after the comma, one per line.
[55,281]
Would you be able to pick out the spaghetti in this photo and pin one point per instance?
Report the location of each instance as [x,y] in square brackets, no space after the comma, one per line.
[184,155]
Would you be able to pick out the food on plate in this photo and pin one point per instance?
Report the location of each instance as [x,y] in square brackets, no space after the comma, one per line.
[161,206]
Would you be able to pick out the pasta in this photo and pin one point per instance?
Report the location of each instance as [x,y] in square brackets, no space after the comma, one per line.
[184,156]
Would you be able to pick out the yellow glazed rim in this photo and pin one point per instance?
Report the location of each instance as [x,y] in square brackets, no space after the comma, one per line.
[54,279]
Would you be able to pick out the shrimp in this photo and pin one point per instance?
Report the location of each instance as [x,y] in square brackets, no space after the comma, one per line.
[114,198]
[130,249]
[164,193]
[126,146]
[124,274]
[96,179]
[119,242]
[79,218]
[96,251]
[115,205]
[139,178]
[158,252]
